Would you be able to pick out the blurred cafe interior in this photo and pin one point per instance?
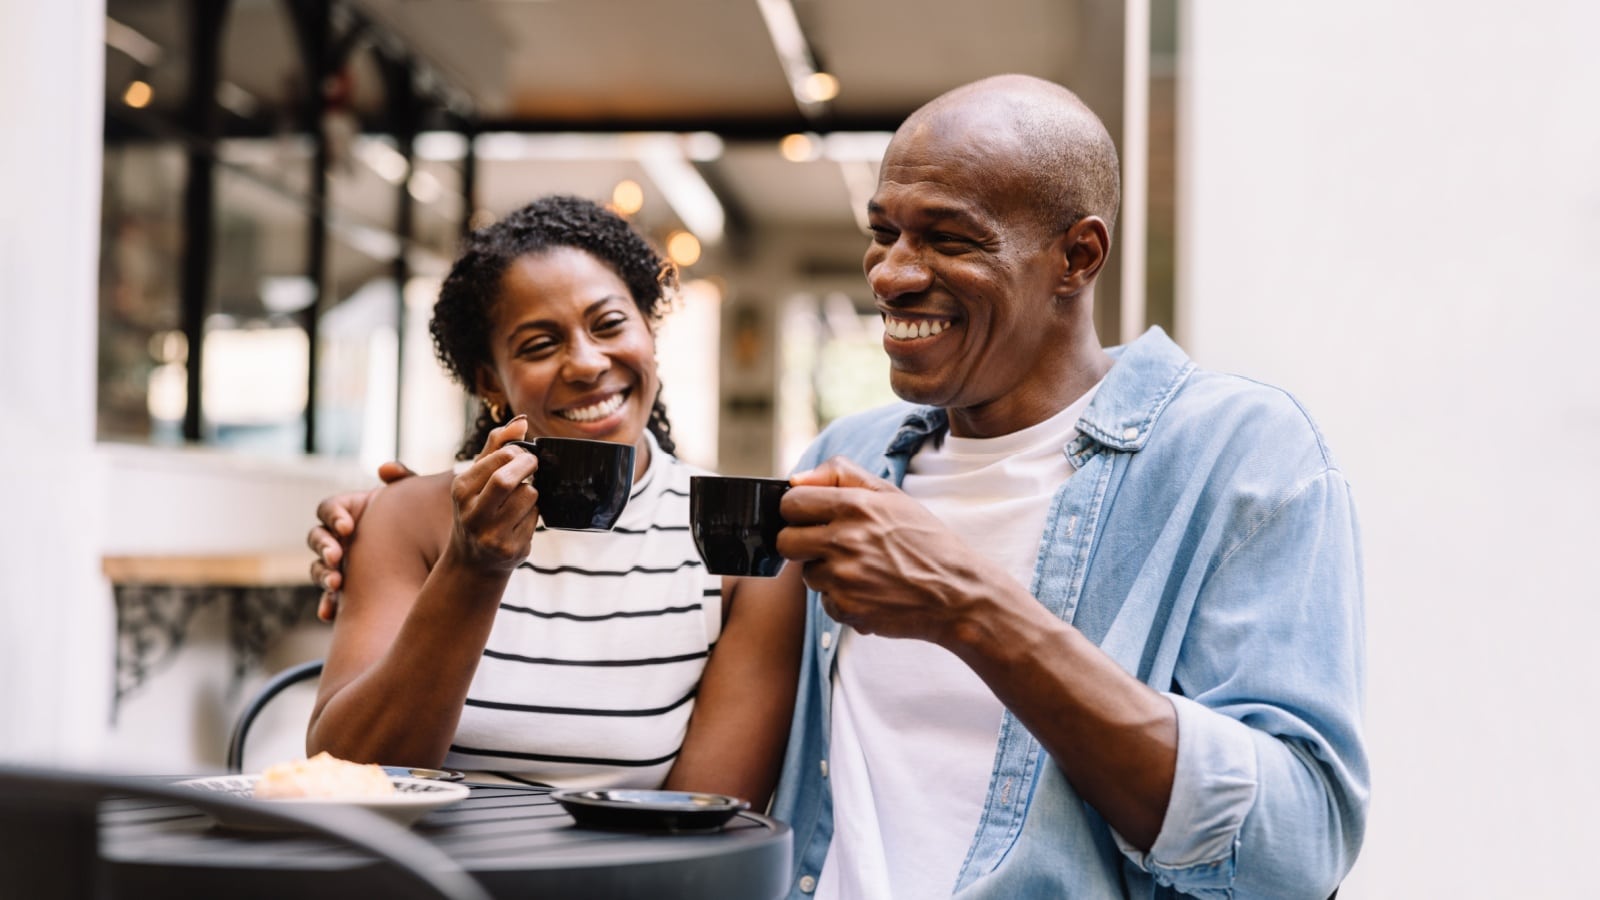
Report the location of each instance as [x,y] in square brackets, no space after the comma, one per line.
[226,221]
[284,184]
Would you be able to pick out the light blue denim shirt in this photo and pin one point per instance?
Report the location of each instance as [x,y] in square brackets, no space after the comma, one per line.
[1207,543]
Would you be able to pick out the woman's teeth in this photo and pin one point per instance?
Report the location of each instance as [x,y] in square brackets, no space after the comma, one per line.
[906,329]
[597,411]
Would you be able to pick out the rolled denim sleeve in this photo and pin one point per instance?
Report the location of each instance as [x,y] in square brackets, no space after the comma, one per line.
[1270,791]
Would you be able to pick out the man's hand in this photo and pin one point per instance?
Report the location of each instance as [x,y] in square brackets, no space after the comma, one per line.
[882,562]
[337,517]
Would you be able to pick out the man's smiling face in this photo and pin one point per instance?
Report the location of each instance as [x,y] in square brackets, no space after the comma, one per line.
[965,274]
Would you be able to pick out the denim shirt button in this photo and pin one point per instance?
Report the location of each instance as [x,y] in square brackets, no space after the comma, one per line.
[824,768]
[807,884]
[1130,433]
[827,639]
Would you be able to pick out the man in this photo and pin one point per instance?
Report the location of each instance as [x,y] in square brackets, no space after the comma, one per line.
[1082,623]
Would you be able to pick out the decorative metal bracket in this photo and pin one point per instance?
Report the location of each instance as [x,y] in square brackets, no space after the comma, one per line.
[153,623]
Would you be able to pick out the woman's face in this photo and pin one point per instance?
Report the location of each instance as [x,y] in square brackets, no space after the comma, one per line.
[571,350]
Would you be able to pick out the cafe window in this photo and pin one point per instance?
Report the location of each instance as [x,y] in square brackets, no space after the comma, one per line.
[264,249]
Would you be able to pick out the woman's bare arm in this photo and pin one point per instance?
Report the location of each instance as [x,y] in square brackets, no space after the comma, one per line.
[426,574]
[740,725]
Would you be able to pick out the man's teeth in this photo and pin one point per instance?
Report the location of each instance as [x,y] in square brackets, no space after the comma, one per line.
[906,329]
[598,411]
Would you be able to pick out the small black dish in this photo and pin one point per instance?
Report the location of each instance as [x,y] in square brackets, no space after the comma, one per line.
[669,811]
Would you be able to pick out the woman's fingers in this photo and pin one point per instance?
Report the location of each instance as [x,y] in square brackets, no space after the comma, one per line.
[514,430]
[495,502]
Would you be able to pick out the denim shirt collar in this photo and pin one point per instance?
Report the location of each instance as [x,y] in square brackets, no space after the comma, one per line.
[1145,378]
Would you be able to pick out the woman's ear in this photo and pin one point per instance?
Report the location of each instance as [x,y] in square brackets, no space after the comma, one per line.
[489,388]
[1084,249]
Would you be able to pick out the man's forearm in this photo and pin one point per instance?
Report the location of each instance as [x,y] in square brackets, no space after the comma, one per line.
[1114,738]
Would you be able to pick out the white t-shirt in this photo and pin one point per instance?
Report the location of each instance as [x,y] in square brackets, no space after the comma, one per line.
[914,730]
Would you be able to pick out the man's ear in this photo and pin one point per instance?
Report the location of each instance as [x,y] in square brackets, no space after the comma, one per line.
[1084,248]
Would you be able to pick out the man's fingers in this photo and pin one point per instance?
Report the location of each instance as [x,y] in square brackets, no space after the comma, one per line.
[839,472]
[394,470]
[328,548]
[803,542]
[334,514]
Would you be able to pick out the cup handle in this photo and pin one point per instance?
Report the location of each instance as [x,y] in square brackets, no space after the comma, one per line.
[533,447]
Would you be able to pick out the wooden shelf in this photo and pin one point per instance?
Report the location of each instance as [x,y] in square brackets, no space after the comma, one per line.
[290,569]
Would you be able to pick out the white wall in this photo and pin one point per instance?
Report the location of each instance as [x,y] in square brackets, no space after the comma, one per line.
[55,623]
[1393,209]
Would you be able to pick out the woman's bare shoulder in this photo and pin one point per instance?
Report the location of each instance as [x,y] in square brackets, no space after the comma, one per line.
[414,511]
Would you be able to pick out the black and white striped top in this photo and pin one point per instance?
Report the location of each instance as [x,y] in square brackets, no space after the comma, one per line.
[591,669]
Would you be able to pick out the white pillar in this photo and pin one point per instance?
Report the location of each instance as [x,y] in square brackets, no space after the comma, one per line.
[1393,210]
[56,623]
[1135,164]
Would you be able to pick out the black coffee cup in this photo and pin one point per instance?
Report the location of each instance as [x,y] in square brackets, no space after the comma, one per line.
[583,485]
[735,523]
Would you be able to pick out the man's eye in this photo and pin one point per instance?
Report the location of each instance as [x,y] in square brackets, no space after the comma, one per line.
[883,235]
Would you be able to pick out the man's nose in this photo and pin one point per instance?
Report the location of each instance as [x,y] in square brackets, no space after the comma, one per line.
[896,269]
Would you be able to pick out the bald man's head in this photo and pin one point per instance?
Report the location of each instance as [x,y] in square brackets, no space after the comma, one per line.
[1055,143]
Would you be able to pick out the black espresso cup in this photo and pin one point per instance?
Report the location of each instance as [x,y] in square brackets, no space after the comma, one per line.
[735,522]
[583,485]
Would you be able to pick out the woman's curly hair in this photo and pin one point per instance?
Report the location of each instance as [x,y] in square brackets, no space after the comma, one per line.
[463,313]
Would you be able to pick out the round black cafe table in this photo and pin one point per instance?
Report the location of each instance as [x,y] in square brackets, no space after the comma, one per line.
[515,841]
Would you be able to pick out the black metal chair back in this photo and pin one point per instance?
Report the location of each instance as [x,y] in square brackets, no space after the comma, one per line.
[276,685]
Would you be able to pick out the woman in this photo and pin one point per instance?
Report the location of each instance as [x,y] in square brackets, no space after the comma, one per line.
[470,638]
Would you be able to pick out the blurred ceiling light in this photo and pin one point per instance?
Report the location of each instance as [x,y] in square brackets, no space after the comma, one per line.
[859,146]
[379,245]
[683,249]
[383,159]
[820,87]
[441,146]
[138,94]
[794,54]
[423,187]
[702,146]
[680,182]
[799,147]
[237,100]
[627,197]
[561,147]
[286,293]
[665,156]
[568,146]
[135,45]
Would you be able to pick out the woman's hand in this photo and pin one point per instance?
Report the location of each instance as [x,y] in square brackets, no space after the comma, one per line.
[496,506]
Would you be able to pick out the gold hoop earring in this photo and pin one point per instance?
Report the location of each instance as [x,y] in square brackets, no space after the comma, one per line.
[494,409]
